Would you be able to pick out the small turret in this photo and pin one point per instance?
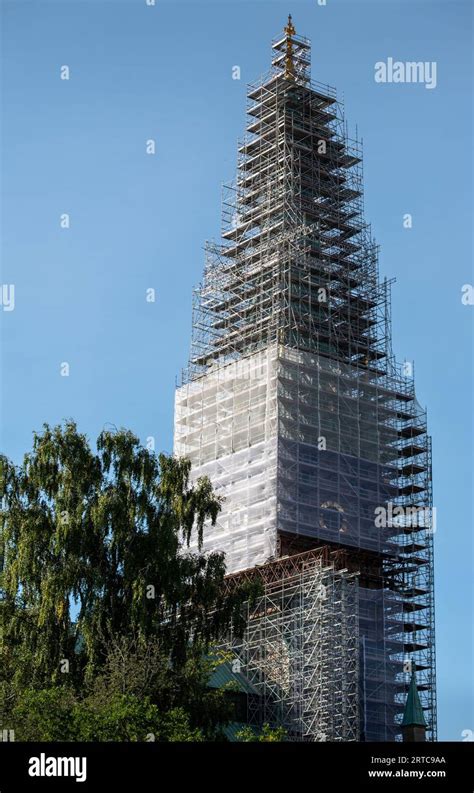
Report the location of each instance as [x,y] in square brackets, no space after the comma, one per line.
[413,722]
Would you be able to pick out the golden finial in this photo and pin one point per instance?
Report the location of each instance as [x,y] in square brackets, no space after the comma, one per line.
[290,28]
[289,64]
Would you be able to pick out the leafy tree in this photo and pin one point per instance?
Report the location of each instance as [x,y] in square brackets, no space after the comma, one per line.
[94,551]
[138,669]
[49,715]
[266,735]
[43,715]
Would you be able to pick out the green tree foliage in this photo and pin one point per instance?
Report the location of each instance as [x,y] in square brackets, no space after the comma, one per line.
[134,668]
[96,571]
[266,735]
[55,715]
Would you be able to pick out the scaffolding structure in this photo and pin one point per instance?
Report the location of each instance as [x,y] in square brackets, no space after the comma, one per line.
[296,265]
[293,403]
[300,650]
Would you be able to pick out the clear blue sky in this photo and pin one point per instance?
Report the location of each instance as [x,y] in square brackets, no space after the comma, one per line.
[140,221]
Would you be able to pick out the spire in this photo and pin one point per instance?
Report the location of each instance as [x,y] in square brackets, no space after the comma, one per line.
[413,715]
[289,63]
[292,58]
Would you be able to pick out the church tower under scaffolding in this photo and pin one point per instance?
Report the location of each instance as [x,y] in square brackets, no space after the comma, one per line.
[294,406]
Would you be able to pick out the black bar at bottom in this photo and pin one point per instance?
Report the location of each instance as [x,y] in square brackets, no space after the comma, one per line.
[154,766]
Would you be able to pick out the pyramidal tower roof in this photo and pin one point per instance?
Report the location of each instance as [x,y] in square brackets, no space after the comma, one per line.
[413,714]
